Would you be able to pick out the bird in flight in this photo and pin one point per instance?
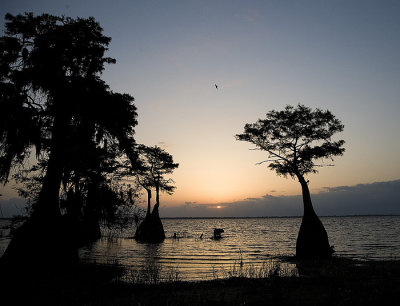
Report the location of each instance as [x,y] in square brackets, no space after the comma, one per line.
[216,86]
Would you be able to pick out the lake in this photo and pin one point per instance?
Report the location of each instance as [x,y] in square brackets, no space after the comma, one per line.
[254,242]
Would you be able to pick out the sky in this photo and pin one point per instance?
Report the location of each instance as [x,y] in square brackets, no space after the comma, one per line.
[338,55]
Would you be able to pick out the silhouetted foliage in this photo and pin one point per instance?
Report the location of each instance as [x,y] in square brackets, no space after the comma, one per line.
[53,100]
[295,138]
[155,163]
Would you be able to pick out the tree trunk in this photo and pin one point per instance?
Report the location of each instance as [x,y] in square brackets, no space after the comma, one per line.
[312,241]
[148,201]
[47,205]
[158,194]
[151,229]
[45,239]
[41,244]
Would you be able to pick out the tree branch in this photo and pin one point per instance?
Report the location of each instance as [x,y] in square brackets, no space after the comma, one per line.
[267,161]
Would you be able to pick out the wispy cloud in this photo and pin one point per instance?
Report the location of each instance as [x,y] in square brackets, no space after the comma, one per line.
[252,199]
[191,204]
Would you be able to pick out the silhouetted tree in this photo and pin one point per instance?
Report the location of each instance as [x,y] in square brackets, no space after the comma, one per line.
[52,99]
[156,163]
[295,138]
[90,194]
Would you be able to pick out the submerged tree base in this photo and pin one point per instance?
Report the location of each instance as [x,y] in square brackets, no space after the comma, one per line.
[151,229]
[312,241]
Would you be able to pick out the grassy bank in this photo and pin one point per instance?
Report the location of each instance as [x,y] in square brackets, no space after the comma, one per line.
[334,282]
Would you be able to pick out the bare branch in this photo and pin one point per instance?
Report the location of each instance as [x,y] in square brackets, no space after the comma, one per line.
[33,103]
[267,161]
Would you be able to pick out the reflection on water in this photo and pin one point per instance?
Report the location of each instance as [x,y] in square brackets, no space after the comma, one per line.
[375,237]
[250,241]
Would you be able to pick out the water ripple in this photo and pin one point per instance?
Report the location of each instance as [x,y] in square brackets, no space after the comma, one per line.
[251,241]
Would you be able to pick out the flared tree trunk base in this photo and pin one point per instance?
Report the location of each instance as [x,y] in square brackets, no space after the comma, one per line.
[41,244]
[151,229]
[312,241]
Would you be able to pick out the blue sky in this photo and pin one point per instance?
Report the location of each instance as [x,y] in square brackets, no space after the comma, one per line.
[338,55]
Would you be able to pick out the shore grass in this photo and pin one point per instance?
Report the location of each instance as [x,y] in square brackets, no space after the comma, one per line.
[332,282]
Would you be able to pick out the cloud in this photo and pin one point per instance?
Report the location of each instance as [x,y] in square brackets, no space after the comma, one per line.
[380,198]
[252,199]
[190,203]
[363,199]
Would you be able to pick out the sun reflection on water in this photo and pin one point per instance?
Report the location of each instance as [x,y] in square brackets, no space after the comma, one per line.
[256,244]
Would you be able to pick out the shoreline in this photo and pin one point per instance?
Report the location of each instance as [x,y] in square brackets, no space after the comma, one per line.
[326,282]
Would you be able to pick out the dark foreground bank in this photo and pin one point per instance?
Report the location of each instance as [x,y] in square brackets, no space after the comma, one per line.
[333,282]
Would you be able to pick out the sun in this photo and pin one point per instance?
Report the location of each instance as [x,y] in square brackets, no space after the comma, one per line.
[219,206]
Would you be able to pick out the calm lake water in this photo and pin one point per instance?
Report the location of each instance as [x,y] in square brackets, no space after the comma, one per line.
[252,241]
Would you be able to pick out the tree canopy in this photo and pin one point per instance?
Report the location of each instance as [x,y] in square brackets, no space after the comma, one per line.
[295,139]
[53,100]
[155,163]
